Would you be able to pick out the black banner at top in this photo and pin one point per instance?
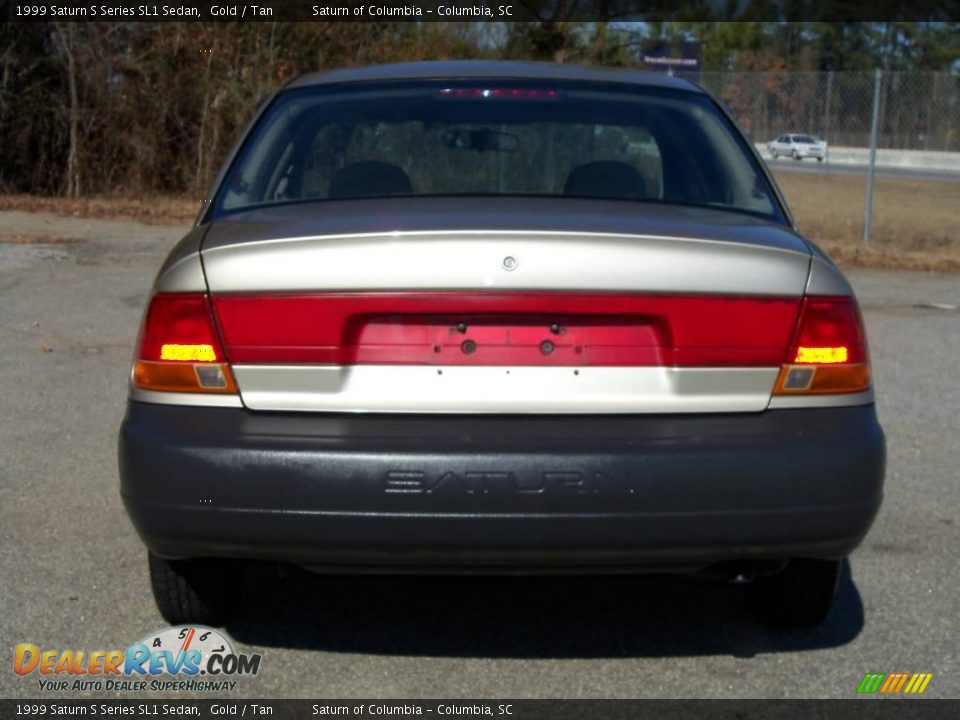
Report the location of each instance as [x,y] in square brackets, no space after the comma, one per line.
[504,709]
[482,10]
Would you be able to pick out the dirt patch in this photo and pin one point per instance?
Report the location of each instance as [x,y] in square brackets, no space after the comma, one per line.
[161,210]
[915,223]
[849,255]
[38,240]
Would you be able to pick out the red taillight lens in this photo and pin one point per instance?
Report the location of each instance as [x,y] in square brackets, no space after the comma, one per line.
[829,350]
[506,328]
[180,348]
[179,327]
[829,331]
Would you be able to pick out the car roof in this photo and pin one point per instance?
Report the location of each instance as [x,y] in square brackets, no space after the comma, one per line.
[490,69]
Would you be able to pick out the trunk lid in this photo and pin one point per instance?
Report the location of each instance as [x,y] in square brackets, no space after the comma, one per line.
[504,305]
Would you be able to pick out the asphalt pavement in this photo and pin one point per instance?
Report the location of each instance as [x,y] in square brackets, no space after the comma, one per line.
[73,573]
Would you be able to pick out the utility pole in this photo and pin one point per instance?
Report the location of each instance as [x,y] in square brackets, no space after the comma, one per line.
[871,168]
[826,118]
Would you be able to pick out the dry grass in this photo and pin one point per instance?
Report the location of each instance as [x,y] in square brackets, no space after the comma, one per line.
[162,210]
[916,224]
[37,240]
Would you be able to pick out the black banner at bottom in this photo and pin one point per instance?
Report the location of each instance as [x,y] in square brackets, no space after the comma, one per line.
[881,709]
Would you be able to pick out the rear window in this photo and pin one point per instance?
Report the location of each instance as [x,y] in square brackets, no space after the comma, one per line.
[495,139]
[804,139]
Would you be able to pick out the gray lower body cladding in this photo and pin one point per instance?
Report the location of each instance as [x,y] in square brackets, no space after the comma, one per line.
[456,492]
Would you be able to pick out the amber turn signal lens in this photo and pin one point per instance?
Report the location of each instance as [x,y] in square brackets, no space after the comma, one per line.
[183,377]
[794,379]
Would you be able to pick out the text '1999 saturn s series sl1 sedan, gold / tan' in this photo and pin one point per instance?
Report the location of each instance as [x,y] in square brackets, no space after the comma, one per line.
[496,318]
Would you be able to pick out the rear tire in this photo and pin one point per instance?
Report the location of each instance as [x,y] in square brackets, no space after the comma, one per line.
[799,596]
[774,154]
[195,591]
[795,155]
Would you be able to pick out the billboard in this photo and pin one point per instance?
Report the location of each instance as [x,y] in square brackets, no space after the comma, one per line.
[672,55]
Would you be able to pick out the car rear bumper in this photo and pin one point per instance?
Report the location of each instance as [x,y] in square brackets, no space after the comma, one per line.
[358,492]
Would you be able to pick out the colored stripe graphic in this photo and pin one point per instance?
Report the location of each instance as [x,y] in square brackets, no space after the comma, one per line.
[918,683]
[895,683]
[871,682]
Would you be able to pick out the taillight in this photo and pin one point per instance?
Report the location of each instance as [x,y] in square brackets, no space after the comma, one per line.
[829,350]
[180,348]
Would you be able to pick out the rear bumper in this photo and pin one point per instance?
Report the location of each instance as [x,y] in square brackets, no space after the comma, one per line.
[462,493]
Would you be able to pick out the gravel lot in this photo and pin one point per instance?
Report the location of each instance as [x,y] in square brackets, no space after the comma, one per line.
[73,573]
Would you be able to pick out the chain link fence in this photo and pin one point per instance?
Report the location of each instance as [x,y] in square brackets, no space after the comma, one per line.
[902,125]
[918,114]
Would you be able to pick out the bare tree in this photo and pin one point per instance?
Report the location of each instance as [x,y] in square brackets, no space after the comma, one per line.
[65,34]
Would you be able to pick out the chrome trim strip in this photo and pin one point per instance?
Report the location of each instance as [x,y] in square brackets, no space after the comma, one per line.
[195,399]
[686,384]
[473,389]
[472,260]
[786,402]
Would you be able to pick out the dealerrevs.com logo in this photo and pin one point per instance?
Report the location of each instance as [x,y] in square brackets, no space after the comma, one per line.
[183,658]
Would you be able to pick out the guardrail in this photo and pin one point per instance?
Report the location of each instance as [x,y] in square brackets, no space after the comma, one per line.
[900,159]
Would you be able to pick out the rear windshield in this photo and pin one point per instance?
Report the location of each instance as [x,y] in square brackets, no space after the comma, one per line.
[805,139]
[495,139]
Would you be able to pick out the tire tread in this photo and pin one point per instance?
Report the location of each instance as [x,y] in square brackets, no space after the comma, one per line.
[194,591]
[800,596]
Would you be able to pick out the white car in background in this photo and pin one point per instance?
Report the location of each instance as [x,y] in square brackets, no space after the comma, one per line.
[798,147]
